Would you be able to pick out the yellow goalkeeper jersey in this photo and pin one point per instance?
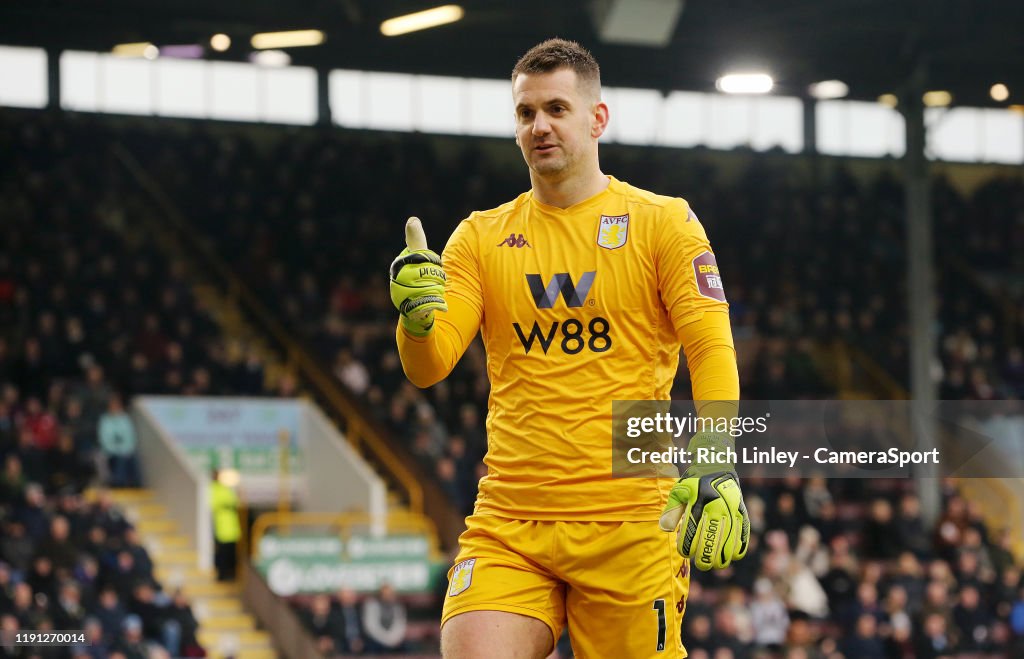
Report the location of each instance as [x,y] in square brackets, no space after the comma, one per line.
[577,307]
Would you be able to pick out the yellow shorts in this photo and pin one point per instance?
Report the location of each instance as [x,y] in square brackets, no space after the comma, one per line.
[621,586]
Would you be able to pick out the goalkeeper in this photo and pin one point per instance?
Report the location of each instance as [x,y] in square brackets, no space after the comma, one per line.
[583,289]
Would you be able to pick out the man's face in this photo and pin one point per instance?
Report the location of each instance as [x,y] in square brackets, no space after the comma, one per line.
[558,122]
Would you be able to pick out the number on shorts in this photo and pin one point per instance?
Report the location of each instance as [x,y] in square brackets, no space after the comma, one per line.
[659,605]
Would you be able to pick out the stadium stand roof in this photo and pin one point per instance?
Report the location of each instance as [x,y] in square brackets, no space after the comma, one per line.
[872,45]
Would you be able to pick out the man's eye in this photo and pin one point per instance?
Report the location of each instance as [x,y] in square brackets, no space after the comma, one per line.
[557,109]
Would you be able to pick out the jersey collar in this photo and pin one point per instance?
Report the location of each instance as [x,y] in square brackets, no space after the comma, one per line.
[614,187]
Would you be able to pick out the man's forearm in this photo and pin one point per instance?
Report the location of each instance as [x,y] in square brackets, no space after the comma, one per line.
[429,359]
[711,358]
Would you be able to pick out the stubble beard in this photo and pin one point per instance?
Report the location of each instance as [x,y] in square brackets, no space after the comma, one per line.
[555,168]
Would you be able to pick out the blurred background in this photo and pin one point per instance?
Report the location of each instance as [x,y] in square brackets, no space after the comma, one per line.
[208,444]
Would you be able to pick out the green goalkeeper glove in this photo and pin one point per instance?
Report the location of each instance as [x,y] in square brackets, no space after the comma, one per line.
[417,282]
[708,495]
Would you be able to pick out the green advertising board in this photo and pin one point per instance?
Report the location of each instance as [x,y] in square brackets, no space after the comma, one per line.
[245,460]
[322,563]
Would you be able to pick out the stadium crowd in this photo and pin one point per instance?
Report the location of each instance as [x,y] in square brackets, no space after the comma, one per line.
[806,261]
[91,310]
[90,314]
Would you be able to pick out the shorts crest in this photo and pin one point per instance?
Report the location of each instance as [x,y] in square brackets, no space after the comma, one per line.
[462,577]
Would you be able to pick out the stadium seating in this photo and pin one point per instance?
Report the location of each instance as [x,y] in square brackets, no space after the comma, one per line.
[307,217]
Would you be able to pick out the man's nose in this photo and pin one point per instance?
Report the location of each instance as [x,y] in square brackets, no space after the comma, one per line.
[541,125]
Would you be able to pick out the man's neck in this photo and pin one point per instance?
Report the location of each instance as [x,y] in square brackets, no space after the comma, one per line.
[568,192]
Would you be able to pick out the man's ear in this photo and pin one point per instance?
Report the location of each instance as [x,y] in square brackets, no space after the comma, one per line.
[599,124]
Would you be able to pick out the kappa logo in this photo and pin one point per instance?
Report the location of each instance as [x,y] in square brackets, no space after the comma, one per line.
[515,241]
[612,231]
[462,577]
[573,294]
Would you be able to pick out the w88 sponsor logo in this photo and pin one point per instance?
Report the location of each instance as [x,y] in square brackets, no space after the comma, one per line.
[574,338]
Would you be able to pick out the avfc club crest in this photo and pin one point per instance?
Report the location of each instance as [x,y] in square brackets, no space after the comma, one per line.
[612,231]
[462,577]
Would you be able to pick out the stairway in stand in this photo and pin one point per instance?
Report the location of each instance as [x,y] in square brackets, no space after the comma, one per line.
[225,629]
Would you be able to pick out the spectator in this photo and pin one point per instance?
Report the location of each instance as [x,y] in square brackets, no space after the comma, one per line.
[93,395]
[25,607]
[33,514]
[106,515]
[809,551]
[12,481]
[950,529]
[71,507]
[448,478]
[769,617]
[95,647]
[68,467]
[864,643]
[42,579]
[910,529]
[881,533]
[972,621]
[816,496]
[32,459]
[352,640]
[86,576]
[351,372]
[909,575]
[1002,552]
[180,612]
[324,625]
[727,635]
[84,437]
[111,614]
[31,374]
[122,575]
[384,620]
[133,545]
[6,587]
[58,547]
[15,546]
[157,621]
[1005,591]
[69,611]
[697,635]
[1017,621]
[899,644]
[41,424]
[119,443]
[784,517]
[935,639]
[131,643]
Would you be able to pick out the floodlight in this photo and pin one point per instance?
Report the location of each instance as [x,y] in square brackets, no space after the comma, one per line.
[745,83]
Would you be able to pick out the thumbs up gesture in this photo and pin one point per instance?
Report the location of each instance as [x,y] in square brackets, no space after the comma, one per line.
[417,282]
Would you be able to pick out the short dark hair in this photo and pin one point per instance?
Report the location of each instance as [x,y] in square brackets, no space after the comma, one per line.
[555,54]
